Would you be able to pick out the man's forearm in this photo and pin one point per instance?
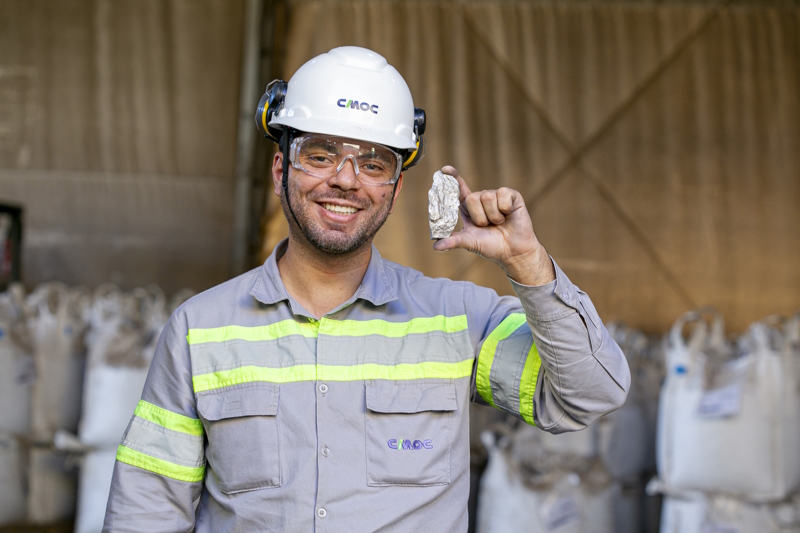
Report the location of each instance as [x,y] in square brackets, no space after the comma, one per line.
[585,374]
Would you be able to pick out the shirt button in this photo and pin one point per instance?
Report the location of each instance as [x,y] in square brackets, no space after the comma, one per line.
[323,388]
[321,512]
[326,451]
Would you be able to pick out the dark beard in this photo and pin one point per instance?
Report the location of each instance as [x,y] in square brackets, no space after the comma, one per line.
[338,242]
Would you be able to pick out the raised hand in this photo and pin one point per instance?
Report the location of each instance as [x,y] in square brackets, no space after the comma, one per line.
[497,227]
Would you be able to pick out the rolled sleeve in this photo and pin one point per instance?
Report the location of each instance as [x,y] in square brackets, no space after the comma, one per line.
[584,373]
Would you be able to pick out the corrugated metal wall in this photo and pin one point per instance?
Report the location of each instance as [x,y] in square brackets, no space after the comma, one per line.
[657,145]
[118,135]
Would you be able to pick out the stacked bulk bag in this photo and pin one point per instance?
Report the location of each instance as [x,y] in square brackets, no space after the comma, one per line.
[56,325]
[124,329]
[695,512]
[52,485]
[544,452]
[622,434]
[566,450]
[97,468]
[16,365]
[729,417]
[12,481]
[62,408]
[626,437]
[513,498]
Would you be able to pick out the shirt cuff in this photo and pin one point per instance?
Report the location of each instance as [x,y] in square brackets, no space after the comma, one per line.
[551,301]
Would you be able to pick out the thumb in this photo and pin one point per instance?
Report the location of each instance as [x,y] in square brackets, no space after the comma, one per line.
[454,241]
[463,188]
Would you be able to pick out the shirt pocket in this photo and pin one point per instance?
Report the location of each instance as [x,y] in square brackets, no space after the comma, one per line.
[409,432]
[243,441]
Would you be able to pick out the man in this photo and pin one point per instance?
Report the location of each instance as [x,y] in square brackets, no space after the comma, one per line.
[328,389]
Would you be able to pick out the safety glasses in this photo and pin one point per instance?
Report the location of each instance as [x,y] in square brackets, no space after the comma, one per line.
[323,157]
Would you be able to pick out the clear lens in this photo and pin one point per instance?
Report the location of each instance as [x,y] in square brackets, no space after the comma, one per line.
[323,157]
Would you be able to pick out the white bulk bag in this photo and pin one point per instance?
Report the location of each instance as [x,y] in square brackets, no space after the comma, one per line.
[96,471]
[684,514]
[734,429]
[56,325]
[623,440]
[16,369]
[52,486]
[121,345]
[12,494]
[577,444]
[544,452]
[563,504]
[626,437]
[701,513]
[110,397]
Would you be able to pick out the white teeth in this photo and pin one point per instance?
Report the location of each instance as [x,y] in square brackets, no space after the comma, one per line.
[340,209]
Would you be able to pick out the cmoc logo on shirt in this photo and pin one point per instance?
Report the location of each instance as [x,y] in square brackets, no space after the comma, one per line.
[408,444]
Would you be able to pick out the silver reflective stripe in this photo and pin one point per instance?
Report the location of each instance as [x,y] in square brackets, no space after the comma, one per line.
[509,361]
[344,351]
[433,347]
[280,353]
[162,443]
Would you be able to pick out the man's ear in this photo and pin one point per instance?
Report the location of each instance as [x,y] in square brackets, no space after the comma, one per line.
[277,173]
[398,186]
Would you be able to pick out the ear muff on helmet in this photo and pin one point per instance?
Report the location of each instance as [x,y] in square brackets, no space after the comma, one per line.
[412,157]
[270,102]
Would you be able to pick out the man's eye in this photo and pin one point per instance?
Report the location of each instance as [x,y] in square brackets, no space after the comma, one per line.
[320,158]
[373,165]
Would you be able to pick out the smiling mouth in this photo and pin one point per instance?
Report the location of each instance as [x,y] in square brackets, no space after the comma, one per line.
[340,209]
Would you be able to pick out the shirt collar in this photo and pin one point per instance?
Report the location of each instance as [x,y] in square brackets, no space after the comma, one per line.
[375,287]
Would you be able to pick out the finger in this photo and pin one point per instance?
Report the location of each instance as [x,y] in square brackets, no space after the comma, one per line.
[463,188]
[507,200]
[489,203]
[474,208]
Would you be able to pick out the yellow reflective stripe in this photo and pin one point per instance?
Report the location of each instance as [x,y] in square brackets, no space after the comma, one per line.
[159,466]
[486,357]
[362,328]
[168,419]
[336,328]
[277,330]
[247,374]
[527,384]
[407,371]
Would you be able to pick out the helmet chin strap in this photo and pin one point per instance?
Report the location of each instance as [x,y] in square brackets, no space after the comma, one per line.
[287,138]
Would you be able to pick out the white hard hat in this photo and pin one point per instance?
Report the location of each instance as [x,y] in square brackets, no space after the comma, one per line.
[348,92]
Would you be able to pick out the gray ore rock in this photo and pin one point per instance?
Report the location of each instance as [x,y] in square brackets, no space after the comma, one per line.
[443,205]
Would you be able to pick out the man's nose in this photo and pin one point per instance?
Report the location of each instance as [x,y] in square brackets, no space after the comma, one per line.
[346,178]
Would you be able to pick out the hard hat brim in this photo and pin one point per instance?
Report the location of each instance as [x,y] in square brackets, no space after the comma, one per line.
[337,128]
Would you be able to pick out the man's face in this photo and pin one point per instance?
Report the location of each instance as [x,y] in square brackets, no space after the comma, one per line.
[339,214]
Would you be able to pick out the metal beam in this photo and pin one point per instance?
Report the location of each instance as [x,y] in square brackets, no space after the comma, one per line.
[246,136]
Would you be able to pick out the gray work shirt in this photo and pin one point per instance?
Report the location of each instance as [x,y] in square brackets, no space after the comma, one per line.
[258,417]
